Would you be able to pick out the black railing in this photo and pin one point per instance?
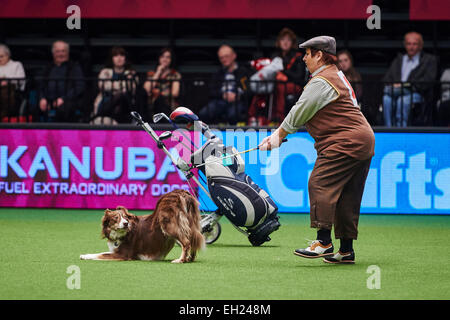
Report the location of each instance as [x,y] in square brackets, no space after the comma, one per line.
[403,104]
[105,101]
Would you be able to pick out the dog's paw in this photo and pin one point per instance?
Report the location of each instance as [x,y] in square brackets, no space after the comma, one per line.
[178,261]
[83,257]
[86,257]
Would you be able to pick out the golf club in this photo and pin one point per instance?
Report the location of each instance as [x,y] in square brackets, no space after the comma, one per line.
[159,116]
[230,156]
[168,134]
[165,135]
[180,163]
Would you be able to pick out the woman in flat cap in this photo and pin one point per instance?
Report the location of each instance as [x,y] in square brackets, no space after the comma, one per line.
[344,142]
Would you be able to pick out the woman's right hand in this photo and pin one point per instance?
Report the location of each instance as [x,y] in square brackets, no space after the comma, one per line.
[159,70]
[265,145]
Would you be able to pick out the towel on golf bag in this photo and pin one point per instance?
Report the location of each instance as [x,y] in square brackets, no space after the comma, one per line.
[241,200]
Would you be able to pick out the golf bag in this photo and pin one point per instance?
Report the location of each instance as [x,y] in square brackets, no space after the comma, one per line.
[235,194]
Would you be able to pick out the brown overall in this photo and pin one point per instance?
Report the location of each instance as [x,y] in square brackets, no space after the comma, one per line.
[345,144]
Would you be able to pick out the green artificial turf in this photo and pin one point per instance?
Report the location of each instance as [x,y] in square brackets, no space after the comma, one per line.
[37,247]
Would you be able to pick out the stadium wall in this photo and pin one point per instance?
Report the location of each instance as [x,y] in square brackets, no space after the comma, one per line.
[81,166]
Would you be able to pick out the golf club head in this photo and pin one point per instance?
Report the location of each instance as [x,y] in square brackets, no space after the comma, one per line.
[184,115]
[165,135]
[136,116]
[158,116]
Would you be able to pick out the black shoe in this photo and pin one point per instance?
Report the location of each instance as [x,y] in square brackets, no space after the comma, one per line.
[261,234]
[315,250]
[340,257]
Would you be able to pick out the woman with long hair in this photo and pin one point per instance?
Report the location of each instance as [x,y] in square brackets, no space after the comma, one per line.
[163,84]
[291,80]
[117,84]
[345,63]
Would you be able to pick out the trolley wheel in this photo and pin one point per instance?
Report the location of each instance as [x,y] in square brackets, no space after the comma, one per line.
[212,233]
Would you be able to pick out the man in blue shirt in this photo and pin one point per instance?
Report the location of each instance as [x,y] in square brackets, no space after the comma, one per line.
[409,79]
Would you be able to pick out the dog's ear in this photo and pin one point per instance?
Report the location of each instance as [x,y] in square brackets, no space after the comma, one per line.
[105,223]
[106,217]
[129,215]
[122,208]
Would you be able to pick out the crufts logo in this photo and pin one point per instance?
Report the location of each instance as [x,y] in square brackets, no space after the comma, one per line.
[399,181]
[396,168]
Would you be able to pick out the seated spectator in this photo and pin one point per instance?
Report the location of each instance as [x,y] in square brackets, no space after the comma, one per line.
[117,84]
[163,84]
[61,88]
[406,77]
[227,90]
[290,80]
[345,63]
[444,103]
[10,90]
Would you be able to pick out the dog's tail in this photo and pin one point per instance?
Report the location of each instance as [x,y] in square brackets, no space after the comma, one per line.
[197,243]
[196,237]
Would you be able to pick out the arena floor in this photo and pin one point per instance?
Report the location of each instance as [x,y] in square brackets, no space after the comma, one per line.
[412,254]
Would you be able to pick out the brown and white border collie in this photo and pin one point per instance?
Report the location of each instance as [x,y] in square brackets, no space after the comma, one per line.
[151,237]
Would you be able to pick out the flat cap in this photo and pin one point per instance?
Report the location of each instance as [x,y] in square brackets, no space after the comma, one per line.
[324,43]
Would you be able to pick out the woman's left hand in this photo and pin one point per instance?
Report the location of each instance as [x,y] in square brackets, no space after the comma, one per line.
[274,140]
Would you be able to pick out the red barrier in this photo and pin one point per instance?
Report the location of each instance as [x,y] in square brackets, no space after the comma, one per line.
[178,9]
[429,10]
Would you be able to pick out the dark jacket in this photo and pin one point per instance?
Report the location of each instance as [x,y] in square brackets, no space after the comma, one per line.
[425,71]
[69,86]
[294,67]
[241,75]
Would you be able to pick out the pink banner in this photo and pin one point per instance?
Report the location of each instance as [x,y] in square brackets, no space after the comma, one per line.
[85,169]
[183,9]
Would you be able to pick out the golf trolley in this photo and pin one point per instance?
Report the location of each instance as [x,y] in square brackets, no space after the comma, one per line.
[237,197]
